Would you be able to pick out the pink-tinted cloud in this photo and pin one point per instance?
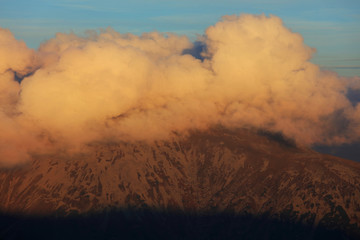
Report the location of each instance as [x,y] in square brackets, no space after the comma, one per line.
[110,86]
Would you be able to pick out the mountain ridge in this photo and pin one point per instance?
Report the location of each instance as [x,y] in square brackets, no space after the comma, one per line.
[220,170]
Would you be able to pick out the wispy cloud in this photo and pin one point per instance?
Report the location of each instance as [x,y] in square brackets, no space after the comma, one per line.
[89,6]
[186,18]
[344,67]
[321,25]
[77,6]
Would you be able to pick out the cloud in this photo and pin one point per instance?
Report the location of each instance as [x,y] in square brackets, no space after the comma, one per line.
[16,61]
[246,71]
[344,67]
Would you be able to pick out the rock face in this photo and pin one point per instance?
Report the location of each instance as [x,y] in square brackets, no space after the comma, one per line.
[240,171]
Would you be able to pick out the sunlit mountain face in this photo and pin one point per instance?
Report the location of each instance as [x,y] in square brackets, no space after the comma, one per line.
[116,135]
[211,182]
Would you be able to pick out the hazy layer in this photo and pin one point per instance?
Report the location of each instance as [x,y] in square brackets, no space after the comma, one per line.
[253,72]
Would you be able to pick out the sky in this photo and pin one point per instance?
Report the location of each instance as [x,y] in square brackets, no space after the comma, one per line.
[71,86]
[330,26]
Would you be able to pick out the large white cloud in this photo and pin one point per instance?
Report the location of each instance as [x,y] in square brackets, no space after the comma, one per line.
[112,86]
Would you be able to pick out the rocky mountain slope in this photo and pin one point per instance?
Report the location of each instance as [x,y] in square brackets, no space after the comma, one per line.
[238,171]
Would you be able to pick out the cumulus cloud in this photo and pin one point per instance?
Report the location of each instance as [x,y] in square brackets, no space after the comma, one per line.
[253,72]
[16,61]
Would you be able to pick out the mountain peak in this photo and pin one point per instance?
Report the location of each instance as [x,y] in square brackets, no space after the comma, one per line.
[240,171]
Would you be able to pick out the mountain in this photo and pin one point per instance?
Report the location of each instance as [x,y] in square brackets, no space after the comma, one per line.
[242,173]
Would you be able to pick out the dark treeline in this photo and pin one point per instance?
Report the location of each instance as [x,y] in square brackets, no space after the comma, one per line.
[152,224]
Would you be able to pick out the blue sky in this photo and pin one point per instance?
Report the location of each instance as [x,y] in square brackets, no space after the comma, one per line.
[331,26]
